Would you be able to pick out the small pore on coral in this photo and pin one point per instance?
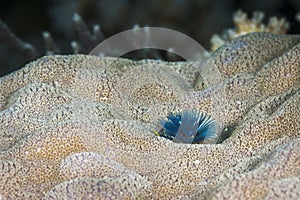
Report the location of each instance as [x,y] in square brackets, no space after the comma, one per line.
[188,126]
[226,133]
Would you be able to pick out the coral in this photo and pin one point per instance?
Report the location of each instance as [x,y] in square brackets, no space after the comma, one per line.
[84,44]
[280,168]
[244,25]
[7,37]
[198,19]
[80,126]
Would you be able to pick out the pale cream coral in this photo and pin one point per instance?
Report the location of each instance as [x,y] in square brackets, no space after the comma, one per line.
[83,127]
[245,25]
[275,169]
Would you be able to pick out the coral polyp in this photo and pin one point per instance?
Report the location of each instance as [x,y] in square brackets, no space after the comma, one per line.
[188,126]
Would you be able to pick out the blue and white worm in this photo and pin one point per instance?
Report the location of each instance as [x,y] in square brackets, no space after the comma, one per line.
[188,126]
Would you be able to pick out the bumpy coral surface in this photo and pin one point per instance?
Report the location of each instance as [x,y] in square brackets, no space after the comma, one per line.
[82,127]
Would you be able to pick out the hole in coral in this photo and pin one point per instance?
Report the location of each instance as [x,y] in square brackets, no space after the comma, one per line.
[150,53]
[226,133]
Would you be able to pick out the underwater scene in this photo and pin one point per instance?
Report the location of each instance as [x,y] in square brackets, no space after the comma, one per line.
[169,99]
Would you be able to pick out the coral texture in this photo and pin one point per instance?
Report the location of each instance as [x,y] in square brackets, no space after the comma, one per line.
[244,25]
[82,127]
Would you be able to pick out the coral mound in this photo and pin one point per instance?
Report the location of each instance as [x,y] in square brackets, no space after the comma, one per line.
[82,127]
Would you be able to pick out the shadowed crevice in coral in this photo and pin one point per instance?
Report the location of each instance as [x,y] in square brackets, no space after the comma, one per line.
[226,133]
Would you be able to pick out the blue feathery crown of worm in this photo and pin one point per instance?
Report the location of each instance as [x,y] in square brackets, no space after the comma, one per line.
[188,127]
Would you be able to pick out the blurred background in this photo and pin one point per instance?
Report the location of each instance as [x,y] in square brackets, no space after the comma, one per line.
[199,19]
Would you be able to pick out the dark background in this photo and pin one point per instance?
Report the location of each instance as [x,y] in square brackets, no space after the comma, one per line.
[199,19]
